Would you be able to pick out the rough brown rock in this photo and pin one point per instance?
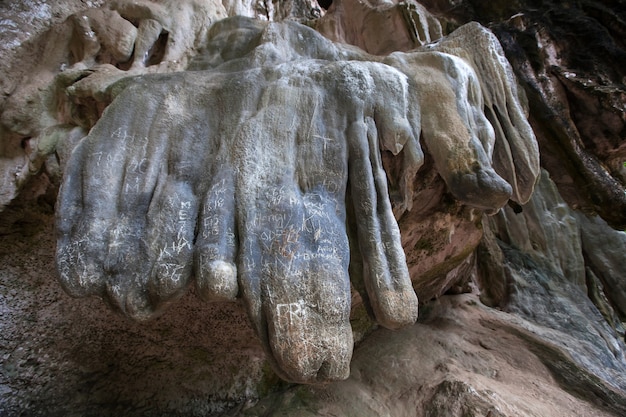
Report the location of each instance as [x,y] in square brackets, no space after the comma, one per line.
[474,361]
[554,345]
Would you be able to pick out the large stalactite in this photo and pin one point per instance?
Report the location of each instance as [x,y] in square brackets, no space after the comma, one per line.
[237,175]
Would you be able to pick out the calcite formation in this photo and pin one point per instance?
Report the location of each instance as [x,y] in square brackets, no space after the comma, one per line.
[569,60]
[154,166]
[257,174]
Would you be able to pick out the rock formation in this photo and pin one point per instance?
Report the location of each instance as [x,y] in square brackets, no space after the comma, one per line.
[262,161]
[570,60]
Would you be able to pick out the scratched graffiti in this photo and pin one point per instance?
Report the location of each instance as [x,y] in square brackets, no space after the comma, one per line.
[240,180]
[181,207]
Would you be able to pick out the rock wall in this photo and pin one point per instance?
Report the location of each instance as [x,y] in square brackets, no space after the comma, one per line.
[374,153]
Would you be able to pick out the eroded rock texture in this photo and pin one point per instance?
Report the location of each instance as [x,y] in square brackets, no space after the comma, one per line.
[570,60]
[320,188]
[237,176]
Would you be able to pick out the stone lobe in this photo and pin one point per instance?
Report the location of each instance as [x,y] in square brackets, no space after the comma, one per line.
[235,176]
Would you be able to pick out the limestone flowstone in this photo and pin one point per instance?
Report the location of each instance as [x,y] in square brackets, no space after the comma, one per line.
[242,174]
[554,344]
[236,176]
